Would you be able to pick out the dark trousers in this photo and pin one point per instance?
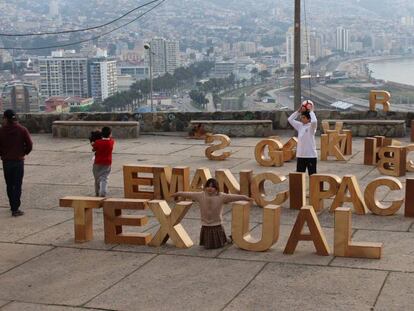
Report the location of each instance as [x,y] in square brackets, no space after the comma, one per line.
[13,174]
[306,163]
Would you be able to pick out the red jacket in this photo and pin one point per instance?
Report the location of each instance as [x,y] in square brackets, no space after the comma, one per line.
[103,151]
[15,142]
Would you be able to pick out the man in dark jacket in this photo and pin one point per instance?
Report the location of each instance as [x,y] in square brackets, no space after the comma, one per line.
[15,143]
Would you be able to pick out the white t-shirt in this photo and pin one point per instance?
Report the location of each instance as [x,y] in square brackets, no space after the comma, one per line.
[306,135]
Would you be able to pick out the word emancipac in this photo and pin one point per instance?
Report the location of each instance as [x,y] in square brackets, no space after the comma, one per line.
[160,182]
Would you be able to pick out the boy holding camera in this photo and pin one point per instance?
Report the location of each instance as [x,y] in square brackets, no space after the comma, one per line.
[103,160]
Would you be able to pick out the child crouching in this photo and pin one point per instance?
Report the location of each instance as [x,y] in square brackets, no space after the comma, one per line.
[212,234]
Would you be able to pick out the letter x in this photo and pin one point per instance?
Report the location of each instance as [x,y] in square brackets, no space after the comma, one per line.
[170,226]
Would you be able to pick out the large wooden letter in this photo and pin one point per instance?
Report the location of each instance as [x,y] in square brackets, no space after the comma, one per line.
[83,215]
[316,189]
[275,152]
[200,178]
[409,197]
[297,190]
[379,98]
[333,144]
[170,223]
[370,151]
[349,182]
[412,130]
[392,161]
[343,246]
[307,215]
[227,182]
[114,221]
[224,142]
[246,177]
[374,205]
[240,227]
[289,149]
[133,181]
[258,191]
[410,163]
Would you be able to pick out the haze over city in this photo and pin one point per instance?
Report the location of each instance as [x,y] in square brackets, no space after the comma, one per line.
[207,55]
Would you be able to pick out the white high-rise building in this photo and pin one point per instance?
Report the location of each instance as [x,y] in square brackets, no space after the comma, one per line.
[316,46]
[64,74]
[102,78]
[172,53]
[54,8]
[342,39]
[290,46]
[165,57]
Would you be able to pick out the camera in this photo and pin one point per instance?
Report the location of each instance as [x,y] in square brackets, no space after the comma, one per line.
[94,136]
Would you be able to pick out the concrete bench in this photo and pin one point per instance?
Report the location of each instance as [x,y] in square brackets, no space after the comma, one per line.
[82,129]
[365,128]
[237,128]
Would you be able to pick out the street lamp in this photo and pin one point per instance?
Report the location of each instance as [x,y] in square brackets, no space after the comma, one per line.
[147,46]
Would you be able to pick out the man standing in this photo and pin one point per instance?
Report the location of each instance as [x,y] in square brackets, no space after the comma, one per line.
[306,149]
[15,143]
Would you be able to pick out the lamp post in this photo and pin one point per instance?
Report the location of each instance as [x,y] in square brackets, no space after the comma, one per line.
[147,46]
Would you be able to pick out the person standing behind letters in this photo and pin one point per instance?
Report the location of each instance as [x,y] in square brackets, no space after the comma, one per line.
[306,154]
[15,143]
[103,161]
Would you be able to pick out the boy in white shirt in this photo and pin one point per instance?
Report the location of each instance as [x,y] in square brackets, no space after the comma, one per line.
[306,149]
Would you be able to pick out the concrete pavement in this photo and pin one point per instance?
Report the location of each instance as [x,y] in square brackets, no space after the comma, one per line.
[41,268]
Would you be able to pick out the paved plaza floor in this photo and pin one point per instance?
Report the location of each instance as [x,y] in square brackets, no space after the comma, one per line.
[41,268]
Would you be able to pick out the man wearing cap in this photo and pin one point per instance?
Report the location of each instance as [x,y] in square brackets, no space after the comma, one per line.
[15,143]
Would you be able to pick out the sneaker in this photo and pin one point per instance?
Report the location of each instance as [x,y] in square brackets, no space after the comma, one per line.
[17,213]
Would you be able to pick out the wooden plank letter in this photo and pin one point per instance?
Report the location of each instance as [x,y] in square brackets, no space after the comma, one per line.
[275,152]
[343,246]
[297,190]
[374,205]
[289,149]
[409,197]
[240,227]
[170,226]
[246,177]
[200,178]
[350,183]
[168,182]
[370,151]
[348,142]
[224,142]
[412,130]
[83,215]
[316,189]
[114,221]
[410,163]
[379,98]
[139,181]
[258,191]
[307,215]
[333,144]
[392,161]
[227,182]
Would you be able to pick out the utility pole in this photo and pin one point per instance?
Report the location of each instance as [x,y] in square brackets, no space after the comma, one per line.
[297,58]
[147,46]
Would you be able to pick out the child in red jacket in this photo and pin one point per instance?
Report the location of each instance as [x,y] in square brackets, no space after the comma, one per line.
[103,160]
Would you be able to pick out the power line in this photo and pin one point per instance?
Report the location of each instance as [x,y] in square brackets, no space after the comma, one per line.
[86,40]
[77,30]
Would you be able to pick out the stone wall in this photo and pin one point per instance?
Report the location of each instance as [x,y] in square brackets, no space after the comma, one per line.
[180,121]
